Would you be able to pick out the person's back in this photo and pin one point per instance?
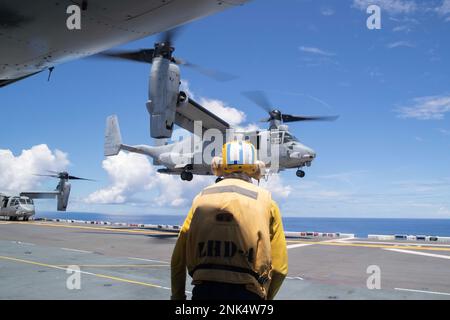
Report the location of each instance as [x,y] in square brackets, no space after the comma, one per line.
[232,243]
[230,234]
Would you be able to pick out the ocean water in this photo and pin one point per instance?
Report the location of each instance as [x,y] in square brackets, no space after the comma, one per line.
[361,227]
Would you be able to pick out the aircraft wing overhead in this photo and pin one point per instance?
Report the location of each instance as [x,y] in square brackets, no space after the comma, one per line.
[34,35]
[191,111]
[40,195]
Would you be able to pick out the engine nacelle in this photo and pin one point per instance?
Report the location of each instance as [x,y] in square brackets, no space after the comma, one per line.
[63,196]
[163,97]
[183,99]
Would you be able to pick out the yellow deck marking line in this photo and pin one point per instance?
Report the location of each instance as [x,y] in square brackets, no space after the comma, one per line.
[84,272]
[343,244]
[98,228]
[116,265]
[1,222]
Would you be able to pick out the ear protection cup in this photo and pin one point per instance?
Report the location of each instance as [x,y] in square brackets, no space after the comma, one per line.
[216,166]
[260,170]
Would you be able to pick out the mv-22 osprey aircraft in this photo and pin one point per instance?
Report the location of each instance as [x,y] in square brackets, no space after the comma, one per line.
[290,152]
[22,206]
[34,37]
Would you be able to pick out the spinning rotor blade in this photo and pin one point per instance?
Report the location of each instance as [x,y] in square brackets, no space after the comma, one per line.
[291,118]
[77,178]
[164,48]
[143,55]
[211,73]
[170,35]
[259,98]
[62,175]
[46,175]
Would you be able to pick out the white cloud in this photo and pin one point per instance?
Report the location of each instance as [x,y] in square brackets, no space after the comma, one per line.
[443,212]
[231,115]
[278,187]
[129,173]
[401,28]
[390,6]
[220,108]
[444,9]
[327,11]
[400,44]
[426,108]
[444,132]
[17,173]
[317,51]
[419,139]
[132,174]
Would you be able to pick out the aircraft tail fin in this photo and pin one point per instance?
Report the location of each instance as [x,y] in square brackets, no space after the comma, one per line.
[113,138]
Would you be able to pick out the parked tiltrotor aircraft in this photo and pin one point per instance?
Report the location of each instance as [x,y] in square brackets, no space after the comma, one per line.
[22,206]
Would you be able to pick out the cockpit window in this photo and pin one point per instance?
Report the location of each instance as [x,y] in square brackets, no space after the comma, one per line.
[23,201]
[29,201]
[289,138]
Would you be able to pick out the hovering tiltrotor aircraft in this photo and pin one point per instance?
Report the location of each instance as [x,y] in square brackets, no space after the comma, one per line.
[290,153]
[22,206]
[164,93]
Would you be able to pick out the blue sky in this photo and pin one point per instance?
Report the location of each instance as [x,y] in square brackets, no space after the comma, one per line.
[387,155]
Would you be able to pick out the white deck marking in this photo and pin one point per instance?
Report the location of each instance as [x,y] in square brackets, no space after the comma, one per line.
[421,244]
[420,253]
[298,245]
[148,260]
[292,246]
[423,291]
[24,243]
[295,278]
[344,239]
[76,250]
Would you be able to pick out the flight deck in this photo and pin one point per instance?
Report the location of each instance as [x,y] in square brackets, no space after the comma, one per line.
[119,262]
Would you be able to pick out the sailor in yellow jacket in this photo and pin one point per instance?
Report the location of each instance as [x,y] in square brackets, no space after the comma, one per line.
[232,242]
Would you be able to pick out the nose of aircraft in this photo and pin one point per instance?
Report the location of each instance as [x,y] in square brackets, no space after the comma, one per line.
[310,153]
[28,209]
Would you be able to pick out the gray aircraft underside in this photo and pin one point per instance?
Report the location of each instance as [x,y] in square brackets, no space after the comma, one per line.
[34,35]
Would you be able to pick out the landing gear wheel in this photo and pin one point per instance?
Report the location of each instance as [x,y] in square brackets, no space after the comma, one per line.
[300,173]
[219,179]
[25,218]
[187,176]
